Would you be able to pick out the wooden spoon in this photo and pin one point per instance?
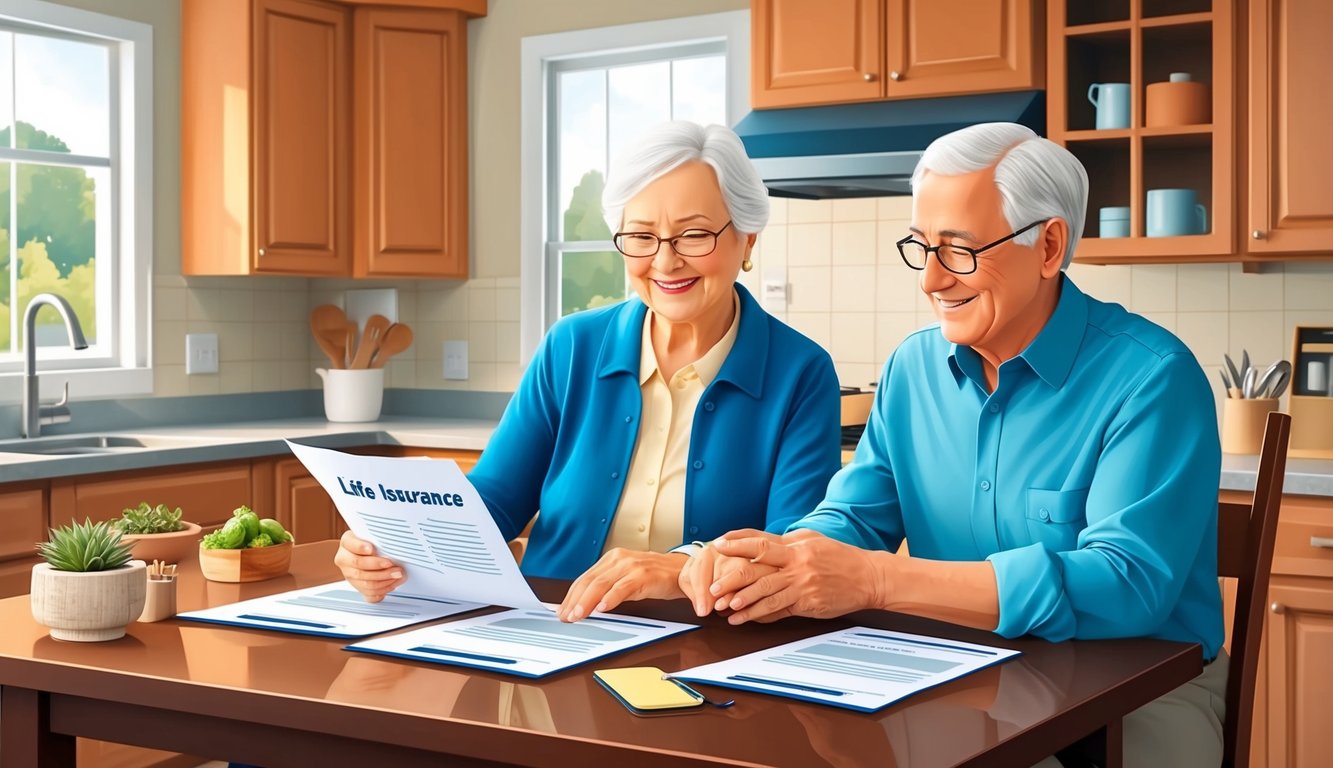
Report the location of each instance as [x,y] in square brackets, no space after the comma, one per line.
[328,322]
[397,338]
[371,335]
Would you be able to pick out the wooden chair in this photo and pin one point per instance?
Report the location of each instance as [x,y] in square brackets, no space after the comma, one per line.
[1245,536]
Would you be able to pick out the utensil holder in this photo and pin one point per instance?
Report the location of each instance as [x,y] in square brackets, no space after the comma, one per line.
[1243,423]
[352,394]
[160,600]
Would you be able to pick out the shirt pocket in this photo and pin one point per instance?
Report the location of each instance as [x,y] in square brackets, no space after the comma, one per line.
[1055,518]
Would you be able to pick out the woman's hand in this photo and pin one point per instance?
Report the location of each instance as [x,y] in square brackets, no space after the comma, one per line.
[374,577]
[622,574]
[809,575]
[708,566]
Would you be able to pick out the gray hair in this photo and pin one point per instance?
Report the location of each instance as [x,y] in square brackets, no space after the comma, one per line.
[1037,178]
[670,145]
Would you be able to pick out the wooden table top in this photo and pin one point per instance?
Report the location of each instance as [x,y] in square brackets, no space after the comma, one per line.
[1008,713]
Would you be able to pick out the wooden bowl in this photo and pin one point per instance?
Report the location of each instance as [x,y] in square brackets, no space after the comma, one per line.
[254,564]
[174,547]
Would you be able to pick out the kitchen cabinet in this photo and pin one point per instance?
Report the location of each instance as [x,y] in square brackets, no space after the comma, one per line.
[806,53]
[23,523]
[324,138]
[206,493]
[1292,709]
[1290,197]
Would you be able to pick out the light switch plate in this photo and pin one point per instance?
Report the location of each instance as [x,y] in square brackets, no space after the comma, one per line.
[201,353]
[455,360]
[364,302]
[775,289]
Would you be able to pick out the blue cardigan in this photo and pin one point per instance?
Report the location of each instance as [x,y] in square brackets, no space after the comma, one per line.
[764,443]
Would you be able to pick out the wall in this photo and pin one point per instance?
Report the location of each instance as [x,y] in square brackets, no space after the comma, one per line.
[851,292]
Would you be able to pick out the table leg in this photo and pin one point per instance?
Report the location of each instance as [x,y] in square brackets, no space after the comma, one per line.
[25,732]
[1110,742]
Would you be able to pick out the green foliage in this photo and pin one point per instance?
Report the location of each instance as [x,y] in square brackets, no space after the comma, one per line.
[589,280]
[262,540]
[274,530]
[245,529]
[249,519]
[229,536]
[85,547]
[146,519]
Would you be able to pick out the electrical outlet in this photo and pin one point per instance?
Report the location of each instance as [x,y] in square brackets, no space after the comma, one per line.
[201,353]
[775,293]
[455,360]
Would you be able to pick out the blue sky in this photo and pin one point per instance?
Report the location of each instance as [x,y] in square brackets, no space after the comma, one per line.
[62,88]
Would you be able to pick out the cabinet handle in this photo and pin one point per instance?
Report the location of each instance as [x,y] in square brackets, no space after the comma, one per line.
[895,75]
[1257,234]
[1322,542]
[1277,607]
[869,77]
[261,251]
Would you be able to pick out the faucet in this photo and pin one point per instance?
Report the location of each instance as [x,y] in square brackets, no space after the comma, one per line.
[34,413]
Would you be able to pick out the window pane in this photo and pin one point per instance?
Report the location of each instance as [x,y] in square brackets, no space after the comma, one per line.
[590,280]
[6,89]
[582,174]
[4,259]
[699,90]
[62,92]
[637,99]
[57,238]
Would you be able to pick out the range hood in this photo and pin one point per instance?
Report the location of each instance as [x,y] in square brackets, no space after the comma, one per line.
[868,149]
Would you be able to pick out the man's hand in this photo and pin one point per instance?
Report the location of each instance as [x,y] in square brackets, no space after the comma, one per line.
[374,577]
[622,574]
[815,576]
[708,566]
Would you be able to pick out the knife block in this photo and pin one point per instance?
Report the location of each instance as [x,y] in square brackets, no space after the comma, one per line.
[1311,409]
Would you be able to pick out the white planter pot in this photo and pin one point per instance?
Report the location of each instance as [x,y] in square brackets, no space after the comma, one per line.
[88,607]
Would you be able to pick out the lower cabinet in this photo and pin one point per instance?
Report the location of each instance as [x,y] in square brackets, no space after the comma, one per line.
[23,523]
[206,493]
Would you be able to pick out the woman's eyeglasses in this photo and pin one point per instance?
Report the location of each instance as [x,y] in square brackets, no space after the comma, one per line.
[692,242]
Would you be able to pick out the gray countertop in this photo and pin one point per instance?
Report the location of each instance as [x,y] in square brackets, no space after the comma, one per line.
[221,442]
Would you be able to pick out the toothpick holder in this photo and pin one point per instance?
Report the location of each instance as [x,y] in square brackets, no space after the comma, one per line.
[1243,423]
[160,600]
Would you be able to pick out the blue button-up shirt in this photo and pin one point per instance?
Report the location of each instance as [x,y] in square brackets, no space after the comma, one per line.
[1088,478]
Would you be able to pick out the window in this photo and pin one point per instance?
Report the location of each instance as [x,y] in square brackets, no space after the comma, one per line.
[586,94]
[75,190]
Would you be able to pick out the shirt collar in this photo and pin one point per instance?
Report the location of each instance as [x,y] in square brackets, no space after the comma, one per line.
[1051,354]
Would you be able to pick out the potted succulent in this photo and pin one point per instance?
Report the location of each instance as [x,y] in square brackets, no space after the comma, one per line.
[157,533]
[89,588]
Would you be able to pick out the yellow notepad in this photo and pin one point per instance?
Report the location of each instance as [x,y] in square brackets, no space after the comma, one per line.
[643,690]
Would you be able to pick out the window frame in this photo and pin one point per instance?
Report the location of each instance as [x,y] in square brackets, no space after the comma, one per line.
[125,369]
[543,58]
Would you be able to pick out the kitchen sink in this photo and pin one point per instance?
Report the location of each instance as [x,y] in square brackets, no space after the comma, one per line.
[93,444]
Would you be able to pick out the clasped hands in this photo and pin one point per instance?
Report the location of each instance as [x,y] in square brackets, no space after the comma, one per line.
[756,575]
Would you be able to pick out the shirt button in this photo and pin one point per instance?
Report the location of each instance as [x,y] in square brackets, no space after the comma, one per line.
[642,528]
[994,407]
[615,475]
[985,485]
[708,406]
[698,464]
[651,481]
[694,529]
[1043,514]
[628,419]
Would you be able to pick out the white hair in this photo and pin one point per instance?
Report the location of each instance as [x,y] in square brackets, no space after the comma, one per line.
[670,145]
[1037,178]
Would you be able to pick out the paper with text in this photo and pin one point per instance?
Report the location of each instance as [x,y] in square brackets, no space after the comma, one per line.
[522,642]
[331,610]
[859,668]
[427,517]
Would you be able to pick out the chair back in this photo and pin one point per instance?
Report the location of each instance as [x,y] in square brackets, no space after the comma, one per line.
[1245,536]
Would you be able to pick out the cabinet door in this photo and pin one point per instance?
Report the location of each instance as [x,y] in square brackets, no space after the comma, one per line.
[302,149]
[302,506]
[22,525]
[411,143]
[1300,667]
[938,47]
[1291,168]
[206,494]
[805,52]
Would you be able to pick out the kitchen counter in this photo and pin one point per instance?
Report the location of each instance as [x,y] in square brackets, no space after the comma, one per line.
[201,443]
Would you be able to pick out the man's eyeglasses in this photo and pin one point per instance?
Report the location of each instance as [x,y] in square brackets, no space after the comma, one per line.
[958,259]
[692,242]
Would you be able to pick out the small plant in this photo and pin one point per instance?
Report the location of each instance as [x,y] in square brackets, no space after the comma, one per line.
[146,519]
[245,530]
[85,547]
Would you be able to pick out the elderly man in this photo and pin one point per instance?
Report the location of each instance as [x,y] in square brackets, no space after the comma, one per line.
[1053,460]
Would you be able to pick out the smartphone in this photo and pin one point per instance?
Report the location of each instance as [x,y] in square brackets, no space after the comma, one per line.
[643,691]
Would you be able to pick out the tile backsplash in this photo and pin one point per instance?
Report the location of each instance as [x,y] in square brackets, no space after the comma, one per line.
[850,292]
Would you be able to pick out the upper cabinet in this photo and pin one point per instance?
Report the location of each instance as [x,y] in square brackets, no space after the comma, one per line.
[1290,201]
[324,138]
[837,51]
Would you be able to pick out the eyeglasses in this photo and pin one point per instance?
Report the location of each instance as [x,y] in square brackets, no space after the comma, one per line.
[958,259]
[692,242]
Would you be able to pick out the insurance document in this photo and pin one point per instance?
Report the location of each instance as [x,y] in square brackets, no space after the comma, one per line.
[522,642]
[331,610]
[427,517]
[859,668]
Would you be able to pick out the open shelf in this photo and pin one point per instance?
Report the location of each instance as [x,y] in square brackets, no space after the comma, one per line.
[1150,9]
[1184,19]
[1080,12]
[1101,58]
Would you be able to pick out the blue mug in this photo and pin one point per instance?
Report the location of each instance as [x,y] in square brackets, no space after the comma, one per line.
[1174,212]
[1112,103]
[1114,222]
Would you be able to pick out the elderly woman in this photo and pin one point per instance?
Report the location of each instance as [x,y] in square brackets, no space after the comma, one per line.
[669,418]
